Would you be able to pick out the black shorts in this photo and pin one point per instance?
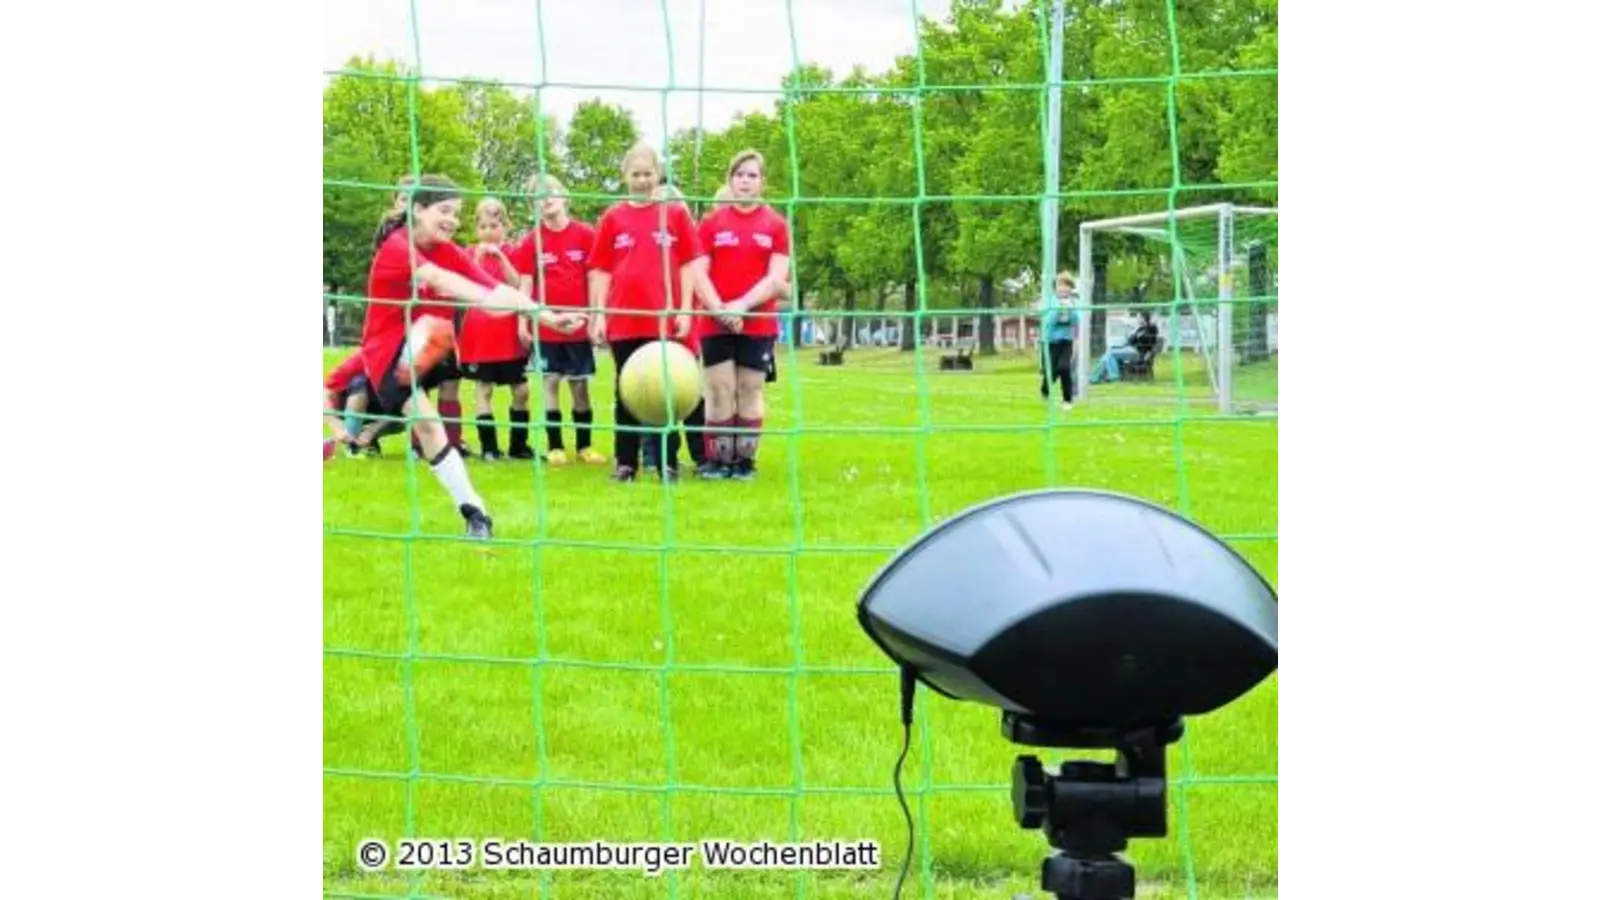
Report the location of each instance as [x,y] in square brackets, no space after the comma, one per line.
[754,353]
[507,371]
[573,360]
[391,395]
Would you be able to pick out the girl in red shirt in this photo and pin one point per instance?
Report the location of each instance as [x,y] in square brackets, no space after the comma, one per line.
[642,249]
[405,342]
[446,378]
[494,347]
[694,424]
[747,247]
[554,261]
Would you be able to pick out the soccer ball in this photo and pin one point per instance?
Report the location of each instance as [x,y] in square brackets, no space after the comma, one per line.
[648,381]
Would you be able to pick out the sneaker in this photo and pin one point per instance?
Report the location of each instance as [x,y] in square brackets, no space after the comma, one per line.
[588,455]
[479,526]
[1065,406]
[624,473]
[671,475]
[556,457]
[711,471]
[743,470]
[492,456]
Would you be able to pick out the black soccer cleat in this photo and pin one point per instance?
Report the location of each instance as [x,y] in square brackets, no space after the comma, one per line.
[521,453]
[479,526]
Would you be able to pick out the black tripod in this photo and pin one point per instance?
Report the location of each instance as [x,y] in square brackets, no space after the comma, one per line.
[1090,810]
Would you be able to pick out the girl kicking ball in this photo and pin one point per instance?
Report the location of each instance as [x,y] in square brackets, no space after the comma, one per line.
[399,342]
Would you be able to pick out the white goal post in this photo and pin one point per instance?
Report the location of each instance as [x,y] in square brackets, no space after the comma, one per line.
[1196,250]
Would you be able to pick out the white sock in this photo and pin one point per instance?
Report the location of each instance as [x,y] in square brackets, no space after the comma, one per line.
[451,470]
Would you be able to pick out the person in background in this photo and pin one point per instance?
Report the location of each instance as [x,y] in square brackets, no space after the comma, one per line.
[1139,345]
[1056,333]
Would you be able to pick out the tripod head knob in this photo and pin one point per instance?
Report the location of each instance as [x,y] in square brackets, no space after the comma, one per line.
[1030,799]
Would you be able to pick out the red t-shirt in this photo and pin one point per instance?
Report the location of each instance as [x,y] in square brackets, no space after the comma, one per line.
[485,336]
[741,245]
[629,244]
[390,279]
[564,260]
[338,381]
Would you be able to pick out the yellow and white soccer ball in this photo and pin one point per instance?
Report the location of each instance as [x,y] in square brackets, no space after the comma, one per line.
[660,383]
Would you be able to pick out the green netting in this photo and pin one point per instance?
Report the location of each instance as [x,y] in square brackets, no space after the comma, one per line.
[1234,287]
[600,674]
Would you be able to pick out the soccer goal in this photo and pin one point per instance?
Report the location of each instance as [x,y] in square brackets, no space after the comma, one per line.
[1220,308]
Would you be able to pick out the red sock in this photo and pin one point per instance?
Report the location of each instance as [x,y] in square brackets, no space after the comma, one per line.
[450,411]
[745,447]
[719,445]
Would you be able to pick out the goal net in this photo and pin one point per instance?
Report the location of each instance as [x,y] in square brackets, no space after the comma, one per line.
[1208,276]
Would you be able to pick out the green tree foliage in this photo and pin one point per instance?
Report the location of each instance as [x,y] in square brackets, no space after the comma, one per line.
[849,139]
[509,140]
[597,137]
[368,139]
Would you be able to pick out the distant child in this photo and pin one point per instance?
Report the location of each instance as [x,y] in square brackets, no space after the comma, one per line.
[1055,335]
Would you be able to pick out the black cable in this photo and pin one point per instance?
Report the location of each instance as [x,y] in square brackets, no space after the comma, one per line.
[908,693]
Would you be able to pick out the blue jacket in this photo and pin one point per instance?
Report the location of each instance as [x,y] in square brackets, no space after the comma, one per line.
[1060,323]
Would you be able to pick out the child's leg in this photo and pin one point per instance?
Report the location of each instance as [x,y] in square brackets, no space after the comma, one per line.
[445,459]
[554,442]
[488,437]
[354,408]
[450,410]
[583,419]
[1064,366]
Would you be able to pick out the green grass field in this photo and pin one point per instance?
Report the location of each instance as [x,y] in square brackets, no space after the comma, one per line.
[597,686]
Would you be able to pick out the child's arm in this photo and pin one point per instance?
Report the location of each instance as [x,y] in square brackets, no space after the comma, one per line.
[683,321]
[599,287]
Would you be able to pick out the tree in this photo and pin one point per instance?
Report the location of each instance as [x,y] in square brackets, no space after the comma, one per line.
[377,125]
[510,141]
[860,146]
[1248,117]
[997,240]
[598,136]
